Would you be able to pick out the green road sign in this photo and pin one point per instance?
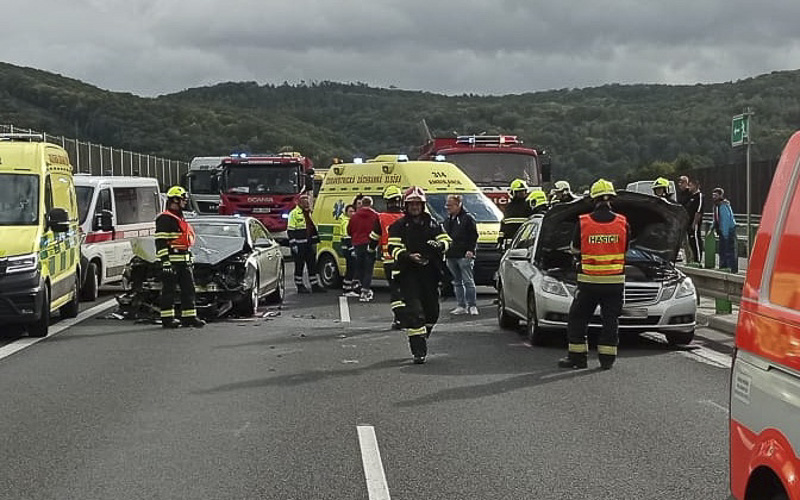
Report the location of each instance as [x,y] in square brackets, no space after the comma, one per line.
[740,130]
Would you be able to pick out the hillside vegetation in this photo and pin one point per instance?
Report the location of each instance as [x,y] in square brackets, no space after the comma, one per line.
[617,131]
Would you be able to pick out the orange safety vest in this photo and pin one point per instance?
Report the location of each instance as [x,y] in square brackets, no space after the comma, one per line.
[603,246]
[186,239]
[387,219]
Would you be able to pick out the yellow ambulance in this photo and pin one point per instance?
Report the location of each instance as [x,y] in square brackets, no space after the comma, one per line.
[39,237]
[439,179]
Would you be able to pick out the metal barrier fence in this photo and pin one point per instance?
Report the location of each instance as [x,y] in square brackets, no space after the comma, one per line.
[97,159]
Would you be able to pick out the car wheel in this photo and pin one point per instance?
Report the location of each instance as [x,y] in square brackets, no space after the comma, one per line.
[680,338]
[535,334]
[504,319]
[329,271]
[71,308]
[248,305]
[39,328]
[91,286]
[276,297]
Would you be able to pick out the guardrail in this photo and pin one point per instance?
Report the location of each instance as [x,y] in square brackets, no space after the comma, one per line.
[716,284]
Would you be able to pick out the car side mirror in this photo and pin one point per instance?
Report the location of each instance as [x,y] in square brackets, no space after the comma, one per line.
[518,254]
[103,221]
[58,220]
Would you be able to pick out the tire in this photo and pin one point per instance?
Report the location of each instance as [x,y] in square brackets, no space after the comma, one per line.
[505,320]
[277,296]
[535,334]
[40,327]
[72,308]
[91,285]
[248,305]
[328,270]
[680,338]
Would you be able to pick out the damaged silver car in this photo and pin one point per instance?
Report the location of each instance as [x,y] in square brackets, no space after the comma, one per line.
[537,279]
[237,264]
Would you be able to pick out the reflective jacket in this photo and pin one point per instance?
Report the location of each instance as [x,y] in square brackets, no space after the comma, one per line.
[301,229]
[340,233]
[516,213]
[385,219]
[410,235]
[173,238]
[603,246]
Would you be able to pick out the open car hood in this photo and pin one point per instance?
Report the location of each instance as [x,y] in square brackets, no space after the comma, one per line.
[657,226]
[209,250]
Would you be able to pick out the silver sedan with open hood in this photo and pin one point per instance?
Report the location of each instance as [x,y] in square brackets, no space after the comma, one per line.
[536,281]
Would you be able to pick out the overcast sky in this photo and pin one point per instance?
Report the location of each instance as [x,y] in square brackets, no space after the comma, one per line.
[488,47]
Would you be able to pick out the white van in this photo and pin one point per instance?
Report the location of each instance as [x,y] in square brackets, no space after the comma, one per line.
[112,210]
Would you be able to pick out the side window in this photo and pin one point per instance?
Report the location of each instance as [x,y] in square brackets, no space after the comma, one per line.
[136,205]
[48,195]
[785,284]
[521,239]
[103,201]
[257,232]
[148,202]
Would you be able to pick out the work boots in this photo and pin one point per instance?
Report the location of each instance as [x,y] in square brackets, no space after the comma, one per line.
[575,360]
[419,348]
[606,361]
[317,288]
[170,323]
[302,289]
[193,322]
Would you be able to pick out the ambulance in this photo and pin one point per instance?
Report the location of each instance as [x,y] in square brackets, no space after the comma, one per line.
[439,179]
[39,237]
[765,376]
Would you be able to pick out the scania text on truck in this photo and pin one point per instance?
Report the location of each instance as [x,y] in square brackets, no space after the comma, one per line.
[264,187]
[491,161]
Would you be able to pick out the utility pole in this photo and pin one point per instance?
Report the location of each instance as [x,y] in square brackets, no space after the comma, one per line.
[741,136]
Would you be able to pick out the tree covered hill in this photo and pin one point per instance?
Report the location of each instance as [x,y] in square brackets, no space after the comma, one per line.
[614,130]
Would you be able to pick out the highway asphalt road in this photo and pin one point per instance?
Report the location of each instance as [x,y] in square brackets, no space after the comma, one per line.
[301,405]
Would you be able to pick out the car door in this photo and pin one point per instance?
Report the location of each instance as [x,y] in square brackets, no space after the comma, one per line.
[520,271]
[265,255]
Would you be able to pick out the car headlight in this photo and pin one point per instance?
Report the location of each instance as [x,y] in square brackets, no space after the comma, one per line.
[22,263]
[554,287]
[685,289]
[668,292]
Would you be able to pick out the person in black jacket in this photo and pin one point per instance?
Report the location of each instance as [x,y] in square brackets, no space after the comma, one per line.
[418,244]
[463,230]
[517,212]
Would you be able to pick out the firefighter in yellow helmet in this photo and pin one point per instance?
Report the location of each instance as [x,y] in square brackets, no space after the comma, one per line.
[537,200]
[517,212]
[393,196]
[660,188]
[174,238]
[601,238]
[418,243]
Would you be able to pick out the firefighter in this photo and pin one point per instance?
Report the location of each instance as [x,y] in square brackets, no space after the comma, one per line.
[602,240]
[562,193]
[350,286]
[393,196]
[418,243]
[660,188]
[537,200]
[173,238]
[516,213]
[303,239]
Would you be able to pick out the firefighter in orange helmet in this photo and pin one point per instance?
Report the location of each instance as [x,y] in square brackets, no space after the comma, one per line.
[602,237]
[418,243]
[174,238]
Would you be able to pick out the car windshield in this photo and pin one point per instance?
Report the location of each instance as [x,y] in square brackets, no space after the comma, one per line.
[200,182]
[232,230]
[477,204]
[278,179]
[492,169]
[84,200]
[19,200]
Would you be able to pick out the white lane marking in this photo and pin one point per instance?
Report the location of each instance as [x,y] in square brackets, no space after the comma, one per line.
[18,345]
[377,489]
[344,310]
[713,404]
[709,357]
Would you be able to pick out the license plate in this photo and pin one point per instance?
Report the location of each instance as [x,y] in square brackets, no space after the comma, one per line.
[261,210]
[634,312]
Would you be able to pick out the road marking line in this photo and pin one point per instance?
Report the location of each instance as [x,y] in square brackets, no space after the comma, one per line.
[714,404]
[377,489]
[344,310]
[23,343]
[709,357]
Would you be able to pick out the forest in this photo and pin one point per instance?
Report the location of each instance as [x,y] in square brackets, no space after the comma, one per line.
[620,132]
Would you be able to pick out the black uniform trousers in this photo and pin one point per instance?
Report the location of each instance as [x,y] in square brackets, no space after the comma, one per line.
[609,296]
[419,289]
[183,277]
[306,257]
[395,295]
[695,244]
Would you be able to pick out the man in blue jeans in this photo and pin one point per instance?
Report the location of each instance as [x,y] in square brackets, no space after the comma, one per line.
[461,227]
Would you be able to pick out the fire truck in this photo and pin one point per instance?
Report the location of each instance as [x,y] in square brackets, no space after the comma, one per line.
[266,187]
[491,161]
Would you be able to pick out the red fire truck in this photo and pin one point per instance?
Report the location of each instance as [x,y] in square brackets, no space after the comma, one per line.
[265,187]
[491,161]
